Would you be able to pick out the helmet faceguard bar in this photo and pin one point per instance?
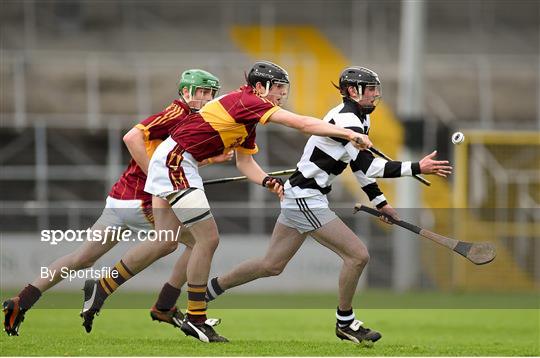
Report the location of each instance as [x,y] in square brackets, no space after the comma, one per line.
[214,89]
[194,79]
[362,89]
[278,82]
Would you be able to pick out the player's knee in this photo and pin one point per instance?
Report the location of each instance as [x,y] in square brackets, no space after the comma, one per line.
[359,258]
[167,247]
[273,268]
[213,241]
[209,242]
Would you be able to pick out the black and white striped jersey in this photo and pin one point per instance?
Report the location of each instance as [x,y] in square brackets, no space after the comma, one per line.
[325,158]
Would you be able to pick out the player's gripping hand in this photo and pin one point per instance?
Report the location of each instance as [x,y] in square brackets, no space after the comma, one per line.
[225,157]
[388,211]
[439,167]
[275,185]
[360,141]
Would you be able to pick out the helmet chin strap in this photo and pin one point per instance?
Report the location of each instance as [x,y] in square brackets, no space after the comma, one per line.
[357,100]
[267,90]
[367,110]
[184,99]
[188,99]
[363,109]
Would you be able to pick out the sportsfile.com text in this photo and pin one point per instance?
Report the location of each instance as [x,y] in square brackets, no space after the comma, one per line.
[110,234]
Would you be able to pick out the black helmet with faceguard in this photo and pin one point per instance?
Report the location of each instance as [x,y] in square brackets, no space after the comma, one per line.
[269,74]
[360,77]
[264,72]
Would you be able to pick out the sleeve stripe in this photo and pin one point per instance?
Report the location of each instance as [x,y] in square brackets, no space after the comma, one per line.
[406,168]
[172,114]
[373,167]
[166,116]
[372,190]
[381,204]
[376,169]
[146,138]
[362,161]
[267,115]
[247,151]
[378,200]
[415,168]
[163,118]
[363,180]
[392,169]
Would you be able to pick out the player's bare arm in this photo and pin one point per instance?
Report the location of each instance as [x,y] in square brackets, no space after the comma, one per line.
[249,167]
[314,126]
[134,140]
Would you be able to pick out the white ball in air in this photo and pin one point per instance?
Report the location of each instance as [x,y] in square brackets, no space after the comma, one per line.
[458,138]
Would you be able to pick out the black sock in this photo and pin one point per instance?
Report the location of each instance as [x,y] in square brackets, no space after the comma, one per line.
[213,290]
[344,318]
[28,297]
[167,297]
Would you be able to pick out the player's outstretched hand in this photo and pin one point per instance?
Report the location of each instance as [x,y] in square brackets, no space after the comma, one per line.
[225,157]
[428,165]
[275,185]
[360,141]
[388,211]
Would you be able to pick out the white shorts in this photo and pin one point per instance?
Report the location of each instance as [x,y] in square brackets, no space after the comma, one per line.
[126,214]
[306,214]
[158,182]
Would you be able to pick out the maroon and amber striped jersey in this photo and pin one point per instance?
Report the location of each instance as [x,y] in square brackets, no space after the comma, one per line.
[225,123]
[155,129]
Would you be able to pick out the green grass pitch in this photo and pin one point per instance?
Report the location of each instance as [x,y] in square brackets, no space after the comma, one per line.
[282,332]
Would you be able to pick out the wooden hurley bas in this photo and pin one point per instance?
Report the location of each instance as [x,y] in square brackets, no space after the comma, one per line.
[478,253]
